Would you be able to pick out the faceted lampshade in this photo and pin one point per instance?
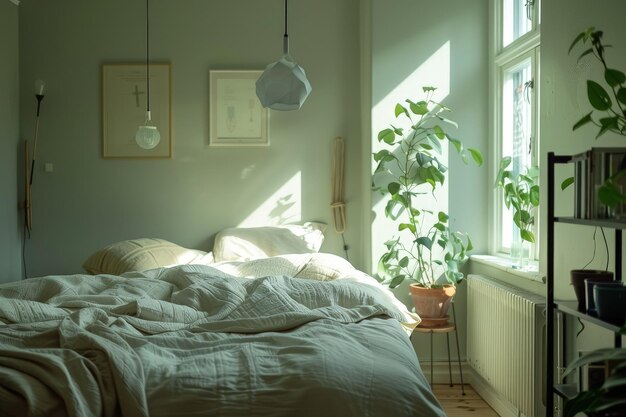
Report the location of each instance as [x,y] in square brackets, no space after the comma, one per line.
[283,85]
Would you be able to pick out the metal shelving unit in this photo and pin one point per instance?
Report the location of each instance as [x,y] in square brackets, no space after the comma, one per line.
[570,307]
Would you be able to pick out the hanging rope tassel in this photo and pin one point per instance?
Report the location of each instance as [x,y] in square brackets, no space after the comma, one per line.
[338,206]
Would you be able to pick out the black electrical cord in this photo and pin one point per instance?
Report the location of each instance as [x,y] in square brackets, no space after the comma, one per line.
[148,55]
[345,247]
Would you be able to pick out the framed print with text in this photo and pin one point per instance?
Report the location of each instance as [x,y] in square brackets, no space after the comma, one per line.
[236,115]
[124,102]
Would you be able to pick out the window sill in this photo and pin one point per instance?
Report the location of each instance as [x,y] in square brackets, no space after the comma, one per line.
[504,264]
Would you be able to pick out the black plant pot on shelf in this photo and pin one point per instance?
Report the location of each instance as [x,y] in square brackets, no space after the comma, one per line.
[590,284]
[578,277]
[610,302]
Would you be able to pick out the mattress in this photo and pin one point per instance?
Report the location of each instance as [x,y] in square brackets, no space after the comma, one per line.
[296,335]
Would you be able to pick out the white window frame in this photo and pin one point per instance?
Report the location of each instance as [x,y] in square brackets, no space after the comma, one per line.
[524,47]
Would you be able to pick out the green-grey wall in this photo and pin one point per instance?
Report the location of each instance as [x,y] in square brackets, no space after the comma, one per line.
[88,202]
[10,258]
[442,44]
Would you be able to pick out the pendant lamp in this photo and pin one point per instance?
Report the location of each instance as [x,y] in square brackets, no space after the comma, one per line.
[147,136]
[283,85]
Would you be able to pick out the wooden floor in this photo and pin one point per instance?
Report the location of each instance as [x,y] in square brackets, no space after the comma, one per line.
[457,405]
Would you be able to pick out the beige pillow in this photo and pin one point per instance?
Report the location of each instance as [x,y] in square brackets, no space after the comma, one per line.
[244,244]
[141,255]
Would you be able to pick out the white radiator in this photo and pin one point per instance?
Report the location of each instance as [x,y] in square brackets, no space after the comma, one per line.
[505,342]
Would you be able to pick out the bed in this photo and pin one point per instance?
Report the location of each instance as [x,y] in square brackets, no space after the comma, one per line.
[302,334]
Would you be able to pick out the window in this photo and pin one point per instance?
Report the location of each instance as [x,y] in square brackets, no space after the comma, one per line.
[515,88]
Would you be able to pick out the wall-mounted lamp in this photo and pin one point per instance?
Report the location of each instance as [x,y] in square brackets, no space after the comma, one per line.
[147,136]
[40,88]
[283,85]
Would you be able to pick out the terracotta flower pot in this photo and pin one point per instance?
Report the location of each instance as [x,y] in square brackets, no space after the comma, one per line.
[432,304]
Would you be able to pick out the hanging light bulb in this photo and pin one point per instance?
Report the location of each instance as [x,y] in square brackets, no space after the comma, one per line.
[283,85]
[147,136]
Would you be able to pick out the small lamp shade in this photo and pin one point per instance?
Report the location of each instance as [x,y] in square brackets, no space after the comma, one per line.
[147,137]
[283,85]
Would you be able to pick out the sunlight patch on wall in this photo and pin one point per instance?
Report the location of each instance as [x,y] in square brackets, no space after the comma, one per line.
[282,207]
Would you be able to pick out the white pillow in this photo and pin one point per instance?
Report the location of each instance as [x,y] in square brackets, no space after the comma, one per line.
[141,255]
[244,244]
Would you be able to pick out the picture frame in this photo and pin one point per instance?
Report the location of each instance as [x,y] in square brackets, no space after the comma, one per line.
[124,103]
[236,116]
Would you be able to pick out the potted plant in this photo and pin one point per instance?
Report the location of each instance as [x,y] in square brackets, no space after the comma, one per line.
[521,194]
[607,400]
[608,109]
[425,250]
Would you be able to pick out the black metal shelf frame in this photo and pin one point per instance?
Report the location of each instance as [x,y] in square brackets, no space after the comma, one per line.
[568,307]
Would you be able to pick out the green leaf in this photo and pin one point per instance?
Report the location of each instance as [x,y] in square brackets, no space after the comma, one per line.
[400,109]
[609,122]
[439,132]
[384,155]
[435,143]
[420,108]
[409,226]
[598,97]
[598,355]
[567,182]
[457,144]
[534,195]
[440,227]
[448,121]
[610,195]
[476,155]
[505,162]
[583,121]
[614,77]
[404,262]
[386,135]
[424,241]
[443,217]
[621,95]
[397,280]
[428,89]
[576,40]
[393,188]
[527,235]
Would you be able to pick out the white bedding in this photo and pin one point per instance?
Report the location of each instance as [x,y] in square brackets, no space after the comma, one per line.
[196,340]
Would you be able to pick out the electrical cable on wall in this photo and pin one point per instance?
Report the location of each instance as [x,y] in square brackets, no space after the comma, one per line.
[338,205]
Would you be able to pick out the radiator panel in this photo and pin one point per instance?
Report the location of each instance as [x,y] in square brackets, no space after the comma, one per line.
[504,341]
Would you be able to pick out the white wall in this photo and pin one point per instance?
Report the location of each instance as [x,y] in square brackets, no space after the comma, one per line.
[442,44]
[88,202]
[10,151]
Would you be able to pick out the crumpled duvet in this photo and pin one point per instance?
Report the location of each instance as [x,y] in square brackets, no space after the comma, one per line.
[195,340]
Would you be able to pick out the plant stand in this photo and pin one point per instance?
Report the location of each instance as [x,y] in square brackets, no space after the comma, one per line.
[447,329]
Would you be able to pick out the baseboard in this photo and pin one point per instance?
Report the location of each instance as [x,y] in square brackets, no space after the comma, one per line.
[500,404]
[441,372]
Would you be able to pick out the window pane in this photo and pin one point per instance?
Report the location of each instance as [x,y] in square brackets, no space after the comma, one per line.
[516,19]
[516,132]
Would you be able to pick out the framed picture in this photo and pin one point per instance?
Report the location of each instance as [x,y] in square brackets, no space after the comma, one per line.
[236,115]
[124,100]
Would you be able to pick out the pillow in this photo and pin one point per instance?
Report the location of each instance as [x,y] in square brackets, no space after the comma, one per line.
[141,255]
[244,244]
